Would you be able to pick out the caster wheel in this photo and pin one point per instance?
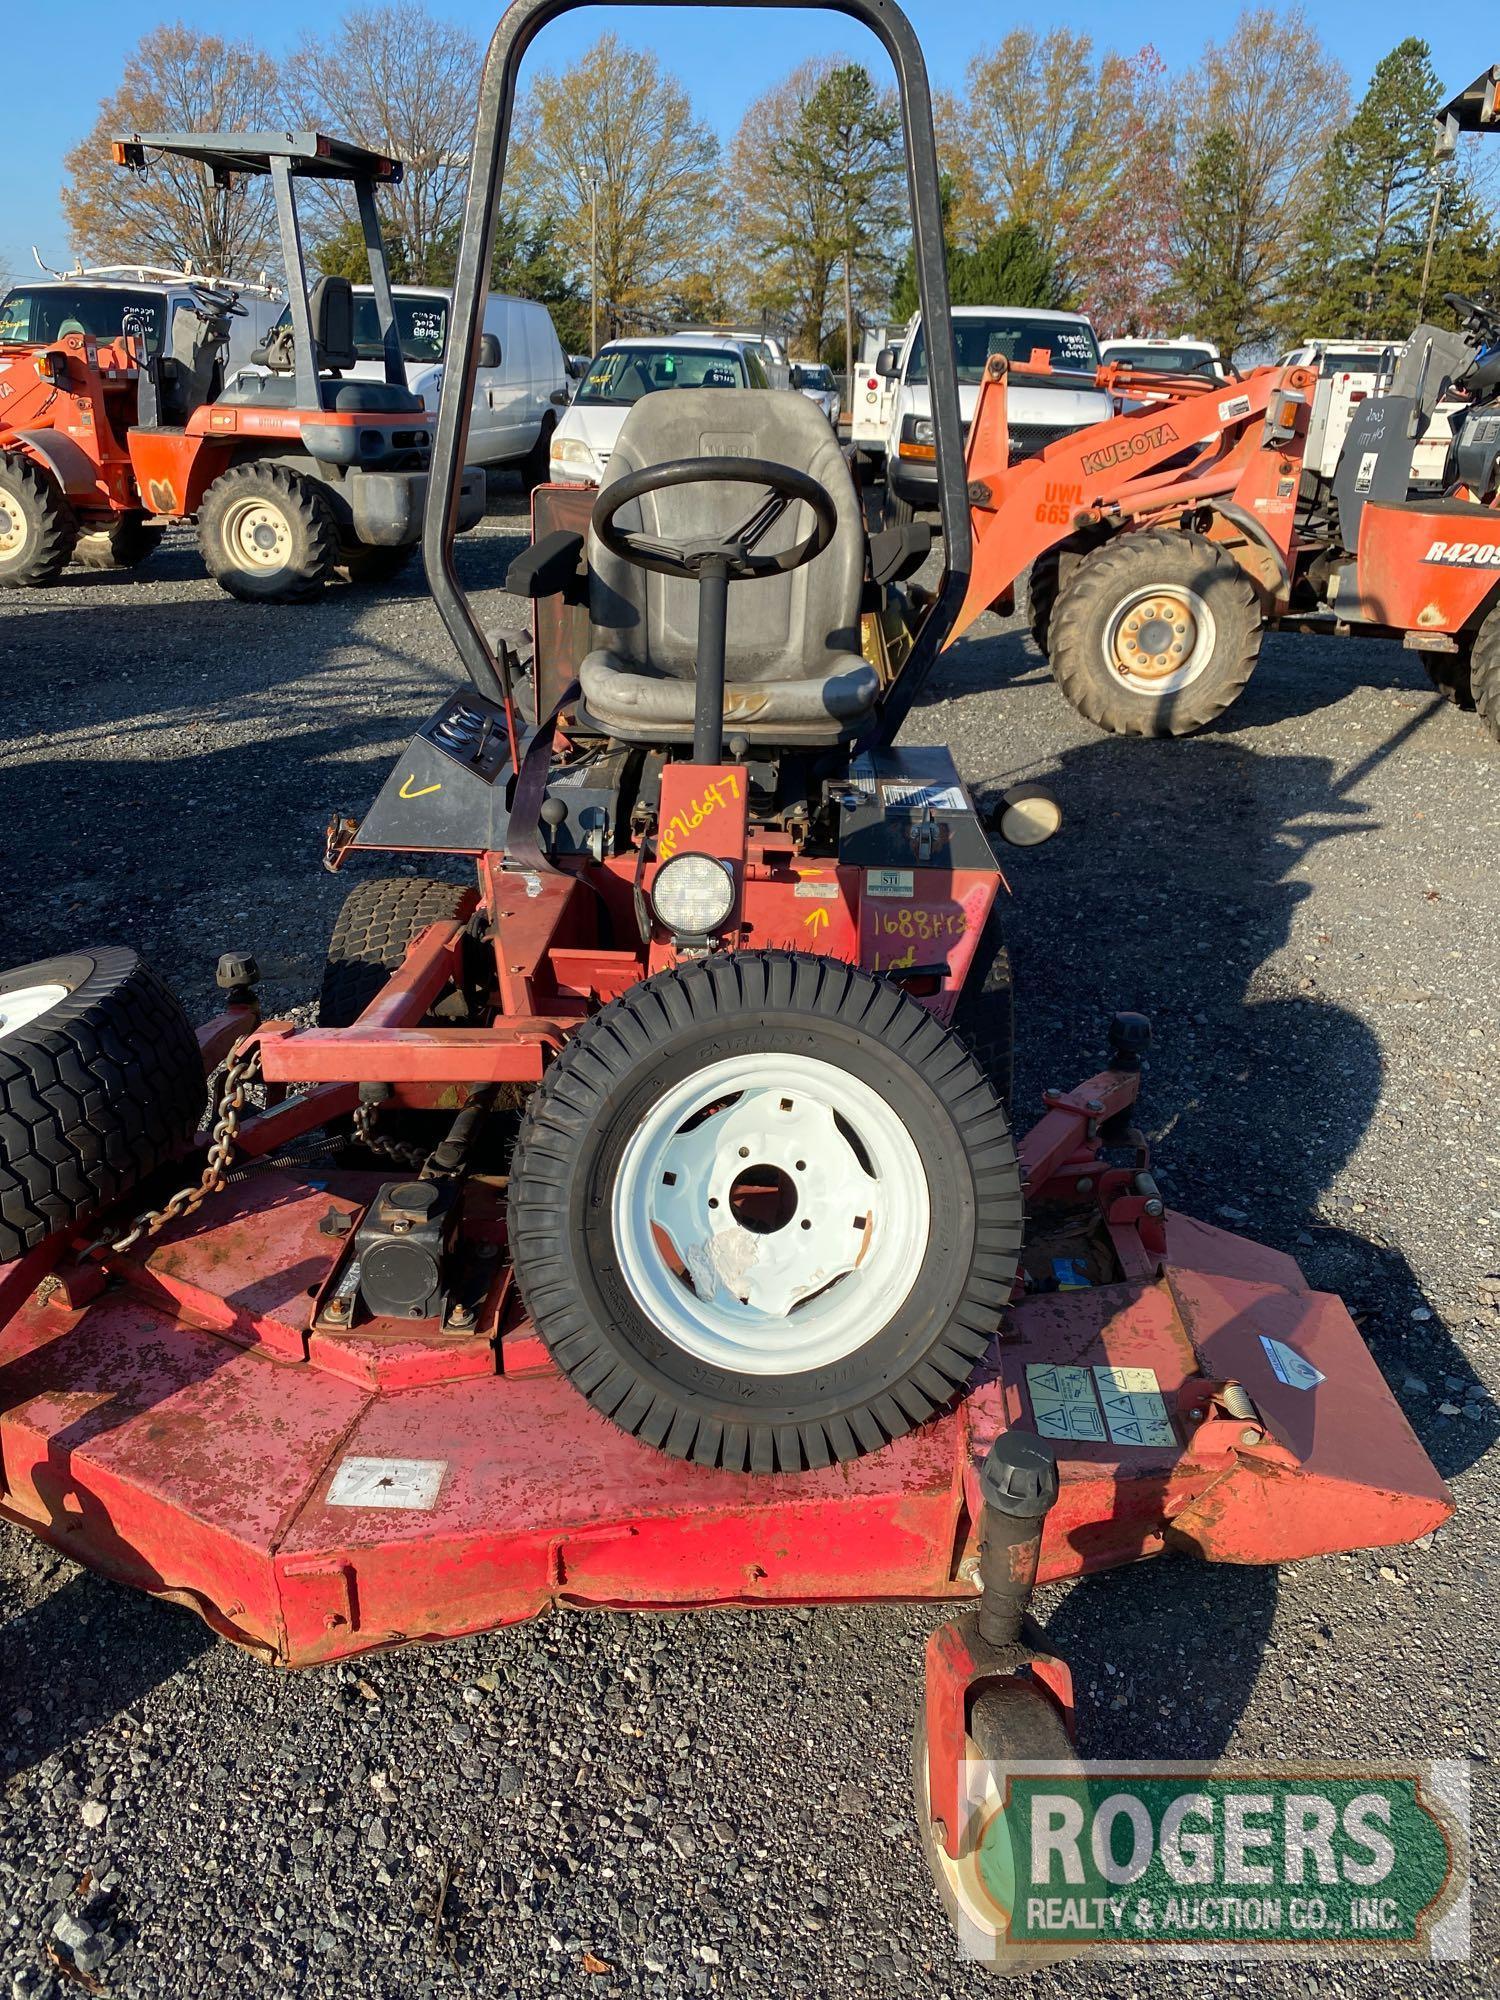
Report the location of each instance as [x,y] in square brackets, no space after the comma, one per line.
[1011,1722]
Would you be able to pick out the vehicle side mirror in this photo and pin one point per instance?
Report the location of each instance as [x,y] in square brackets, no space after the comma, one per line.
[795,377]
[489,351]
[886,363]
[560,397]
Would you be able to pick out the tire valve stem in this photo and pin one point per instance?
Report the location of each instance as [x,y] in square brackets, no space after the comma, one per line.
[1019,1484]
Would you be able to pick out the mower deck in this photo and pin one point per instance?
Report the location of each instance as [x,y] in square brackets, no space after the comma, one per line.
[199,1425]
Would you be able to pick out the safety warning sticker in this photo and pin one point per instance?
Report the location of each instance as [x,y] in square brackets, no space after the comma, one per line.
[1063,1403]
[913,796]
[1133,1407]
[1289,1365]
[388,1482]
[1123,1405]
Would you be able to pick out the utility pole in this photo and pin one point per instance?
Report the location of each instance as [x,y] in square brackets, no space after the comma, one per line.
[593,265]
[1437,202]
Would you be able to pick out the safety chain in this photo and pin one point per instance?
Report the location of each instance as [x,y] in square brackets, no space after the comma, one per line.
[399,1150]
[239,1072]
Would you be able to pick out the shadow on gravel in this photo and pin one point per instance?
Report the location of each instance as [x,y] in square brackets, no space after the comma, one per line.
[89,1649]
[1174,881]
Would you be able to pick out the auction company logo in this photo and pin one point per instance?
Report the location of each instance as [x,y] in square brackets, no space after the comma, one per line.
[1178,1859]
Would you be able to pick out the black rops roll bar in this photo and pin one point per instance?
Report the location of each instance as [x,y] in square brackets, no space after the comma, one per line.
[518,27]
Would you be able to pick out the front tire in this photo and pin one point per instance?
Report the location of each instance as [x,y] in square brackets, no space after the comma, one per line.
[378,925]
[536,467]
[267,535]
[1155,634]
[1484,671]
[38,529]
[766,1212]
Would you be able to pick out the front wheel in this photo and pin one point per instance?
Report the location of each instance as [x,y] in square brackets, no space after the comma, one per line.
[38,529]
[124,544]
[1155,634]
[267,535]
[1484,671]
[766,1212]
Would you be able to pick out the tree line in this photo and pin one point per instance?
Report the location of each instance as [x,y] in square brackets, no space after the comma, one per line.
[1250,201]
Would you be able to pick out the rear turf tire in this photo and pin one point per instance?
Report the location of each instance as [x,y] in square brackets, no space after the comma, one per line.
[1185,588]
[377,926]
[101,1083]
[38,529]
[267,535]
[702,1342]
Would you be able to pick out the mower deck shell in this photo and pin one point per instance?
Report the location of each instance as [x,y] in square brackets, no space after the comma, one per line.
[186,1429]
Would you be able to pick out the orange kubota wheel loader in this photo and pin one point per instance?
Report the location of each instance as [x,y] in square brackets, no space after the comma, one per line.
[291,474]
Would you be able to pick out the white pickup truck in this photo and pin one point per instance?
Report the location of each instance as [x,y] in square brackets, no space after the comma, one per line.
[1349,371]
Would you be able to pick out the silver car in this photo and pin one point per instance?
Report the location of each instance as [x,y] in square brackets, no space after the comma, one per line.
[817,382]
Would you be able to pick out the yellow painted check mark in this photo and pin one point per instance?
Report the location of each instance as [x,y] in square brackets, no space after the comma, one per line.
[407,793]
[816,920]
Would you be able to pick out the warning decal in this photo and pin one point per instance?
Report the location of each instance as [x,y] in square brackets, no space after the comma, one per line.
[1133,1407]
[1122,1405]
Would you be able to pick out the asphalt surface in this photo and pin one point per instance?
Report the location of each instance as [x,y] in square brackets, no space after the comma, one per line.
[1303,900]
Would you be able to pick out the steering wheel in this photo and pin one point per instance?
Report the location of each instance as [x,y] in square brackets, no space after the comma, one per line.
[732,555]
[213,303]
[1479,314]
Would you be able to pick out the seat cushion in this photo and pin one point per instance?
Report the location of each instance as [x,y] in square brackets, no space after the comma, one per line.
[783,629]
[652,707]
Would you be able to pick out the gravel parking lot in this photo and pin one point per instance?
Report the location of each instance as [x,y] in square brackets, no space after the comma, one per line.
[1305,903]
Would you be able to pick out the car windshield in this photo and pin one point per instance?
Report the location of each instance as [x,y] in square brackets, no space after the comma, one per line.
[816,377]
[421,324]
[33,315]
[1340,361]
[625,374]
[1067,343]
[1166,360]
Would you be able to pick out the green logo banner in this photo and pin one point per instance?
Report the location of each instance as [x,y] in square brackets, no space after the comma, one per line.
[1278,1859]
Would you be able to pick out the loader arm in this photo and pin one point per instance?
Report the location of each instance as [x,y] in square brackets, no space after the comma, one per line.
[1236,446]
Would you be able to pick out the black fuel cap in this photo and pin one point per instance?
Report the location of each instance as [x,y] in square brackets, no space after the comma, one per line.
[414,1197]
[1019,1475]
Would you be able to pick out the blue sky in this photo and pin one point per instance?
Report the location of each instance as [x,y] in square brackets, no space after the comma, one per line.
[60,65]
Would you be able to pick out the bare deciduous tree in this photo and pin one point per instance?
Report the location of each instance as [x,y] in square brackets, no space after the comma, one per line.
[176,80]
[401,82]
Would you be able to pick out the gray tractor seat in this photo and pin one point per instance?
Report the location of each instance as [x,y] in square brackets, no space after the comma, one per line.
[279,392]
[793,669]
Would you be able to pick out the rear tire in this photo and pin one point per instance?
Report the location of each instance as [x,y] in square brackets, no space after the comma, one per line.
[377,926]
[38,529]
[1484,672]
[124,544]
[101,1083]
[267,535]
[368,565]
[1155,634]
[732,1338]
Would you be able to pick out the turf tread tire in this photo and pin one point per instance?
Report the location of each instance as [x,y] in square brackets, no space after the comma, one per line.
[578,1117]
[1080,618]
[95,1094]
[376,927]
[48,548]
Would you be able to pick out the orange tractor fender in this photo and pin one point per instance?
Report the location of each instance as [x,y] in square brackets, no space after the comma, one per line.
[1228,452]
[1422,568]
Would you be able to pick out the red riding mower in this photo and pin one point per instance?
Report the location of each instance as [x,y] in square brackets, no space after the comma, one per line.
[710,1275]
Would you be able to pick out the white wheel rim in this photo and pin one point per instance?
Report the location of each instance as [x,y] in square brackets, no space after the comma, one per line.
[841,1208]
[258,534]
[14,531]
[1159,639]
[24,1003]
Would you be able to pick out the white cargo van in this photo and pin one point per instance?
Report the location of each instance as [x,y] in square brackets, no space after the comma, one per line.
[520,389]
[98,301]
[871,393]
[1040,408]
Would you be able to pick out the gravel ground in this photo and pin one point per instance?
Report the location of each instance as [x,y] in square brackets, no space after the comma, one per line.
[1303,901]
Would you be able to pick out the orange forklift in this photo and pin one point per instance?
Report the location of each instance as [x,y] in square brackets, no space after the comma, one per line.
[292,474]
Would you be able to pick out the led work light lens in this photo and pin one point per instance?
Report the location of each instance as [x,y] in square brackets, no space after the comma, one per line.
[692,895]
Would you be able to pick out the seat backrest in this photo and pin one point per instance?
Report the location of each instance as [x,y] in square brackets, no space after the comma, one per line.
[331,304]
[781,627]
